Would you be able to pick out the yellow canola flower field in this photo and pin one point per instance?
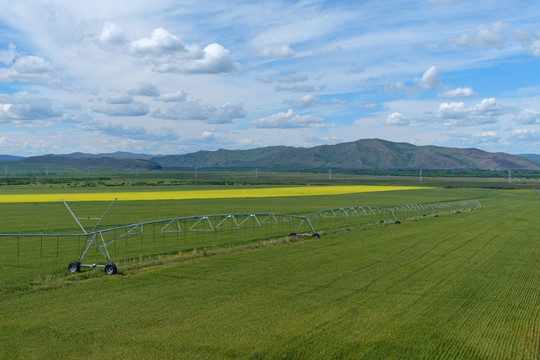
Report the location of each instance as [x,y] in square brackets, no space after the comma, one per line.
[201,194]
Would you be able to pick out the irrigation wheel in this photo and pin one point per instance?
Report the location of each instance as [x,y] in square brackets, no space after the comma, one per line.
[74,266]
[110,269]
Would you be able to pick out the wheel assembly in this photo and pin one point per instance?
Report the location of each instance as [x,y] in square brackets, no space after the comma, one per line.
[74,266]
[110,269]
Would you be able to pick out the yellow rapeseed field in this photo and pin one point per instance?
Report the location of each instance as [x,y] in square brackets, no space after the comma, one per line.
[200,194]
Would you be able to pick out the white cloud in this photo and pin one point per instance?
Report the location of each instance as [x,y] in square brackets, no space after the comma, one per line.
[214,59]
[459,92]
[145,89]
[430,79]
[486,35]
[303,101]
[288,120]
[160,42]
[178,96]
[23,107]
[485,136]
[111,36]
[28,69]
[164,52]
[396,118]
[528,116]
[525,135]
[458,114]
[452,110]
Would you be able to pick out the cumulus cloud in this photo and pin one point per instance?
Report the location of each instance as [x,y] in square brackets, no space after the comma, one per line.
[166,53]
[272,51]
[303,101]
[459,92]
[160,42]
[144,89]
[528,116]
[178,96]
[430,80]
[111,36]
[458,114]
[214,59]
[486,136]
[525,135]
[28,69]
[22,107]
[194,110]
[396,118]
[288,120]
[486,35]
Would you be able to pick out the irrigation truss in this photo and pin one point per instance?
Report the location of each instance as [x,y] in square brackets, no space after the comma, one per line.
[192,232]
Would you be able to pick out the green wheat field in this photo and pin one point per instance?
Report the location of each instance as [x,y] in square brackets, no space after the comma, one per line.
[462,285]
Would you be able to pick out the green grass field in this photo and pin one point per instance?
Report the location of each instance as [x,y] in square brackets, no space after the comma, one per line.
[460,286]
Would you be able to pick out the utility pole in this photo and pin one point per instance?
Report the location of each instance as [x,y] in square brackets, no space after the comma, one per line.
[420,178]
[330,175]
[509,176]
[256,174]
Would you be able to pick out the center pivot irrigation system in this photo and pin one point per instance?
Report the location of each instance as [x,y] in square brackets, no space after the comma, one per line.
[260,225]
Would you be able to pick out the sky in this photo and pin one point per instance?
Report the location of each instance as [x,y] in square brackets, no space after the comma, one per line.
[179,76]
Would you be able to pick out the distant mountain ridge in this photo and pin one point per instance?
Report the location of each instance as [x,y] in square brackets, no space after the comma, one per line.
[361,154]
[365,154]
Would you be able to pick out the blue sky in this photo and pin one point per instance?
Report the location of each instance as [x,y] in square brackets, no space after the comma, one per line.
[172,77]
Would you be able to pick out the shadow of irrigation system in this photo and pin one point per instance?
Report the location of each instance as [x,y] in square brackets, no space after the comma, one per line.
[192,232]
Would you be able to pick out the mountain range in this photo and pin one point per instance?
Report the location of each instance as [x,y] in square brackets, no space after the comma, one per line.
[363,154]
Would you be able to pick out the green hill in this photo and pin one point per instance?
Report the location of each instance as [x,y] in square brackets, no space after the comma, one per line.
[361,154]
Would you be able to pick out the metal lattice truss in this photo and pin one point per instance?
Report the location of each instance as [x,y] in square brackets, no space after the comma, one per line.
[101,239]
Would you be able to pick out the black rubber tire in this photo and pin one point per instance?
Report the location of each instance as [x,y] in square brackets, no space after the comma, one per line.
[74,266]
[110,269]
[315,235]
[397,222]
[292,234]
